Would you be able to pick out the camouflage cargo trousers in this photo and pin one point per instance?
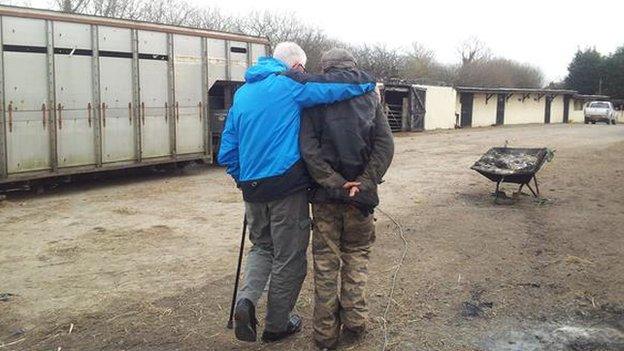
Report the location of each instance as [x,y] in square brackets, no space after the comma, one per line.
[341,246]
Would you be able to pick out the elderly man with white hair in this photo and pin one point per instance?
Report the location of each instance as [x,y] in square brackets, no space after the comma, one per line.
[260,149]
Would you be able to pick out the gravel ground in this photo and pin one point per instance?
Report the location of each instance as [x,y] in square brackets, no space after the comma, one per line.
[145,261]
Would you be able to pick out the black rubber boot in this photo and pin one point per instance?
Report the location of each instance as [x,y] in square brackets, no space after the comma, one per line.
[293,326]
[245,321]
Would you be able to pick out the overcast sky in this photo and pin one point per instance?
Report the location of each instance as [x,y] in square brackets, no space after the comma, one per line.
[545,33]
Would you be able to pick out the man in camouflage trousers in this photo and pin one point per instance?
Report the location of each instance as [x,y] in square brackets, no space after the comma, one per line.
[347,147]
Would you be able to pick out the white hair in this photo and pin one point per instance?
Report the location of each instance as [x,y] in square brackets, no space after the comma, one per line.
[290,53]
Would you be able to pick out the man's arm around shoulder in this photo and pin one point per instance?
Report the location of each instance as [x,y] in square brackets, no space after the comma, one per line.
[328,88]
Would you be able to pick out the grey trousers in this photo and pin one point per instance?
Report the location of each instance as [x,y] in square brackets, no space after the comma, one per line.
[280,232]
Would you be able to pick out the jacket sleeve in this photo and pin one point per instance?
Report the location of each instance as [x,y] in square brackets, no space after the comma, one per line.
[328,88]
[310,147]
[228,151]
[381,156]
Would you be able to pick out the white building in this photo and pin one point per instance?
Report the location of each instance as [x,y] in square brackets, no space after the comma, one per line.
[415,107]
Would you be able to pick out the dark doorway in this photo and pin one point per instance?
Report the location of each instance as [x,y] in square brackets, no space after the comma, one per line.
[566,108]
[547,109]
[500,109]
[220,99]
[466,100]
[418,97]
[396,100]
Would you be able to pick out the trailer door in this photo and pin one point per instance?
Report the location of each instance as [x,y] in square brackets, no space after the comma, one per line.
[115,45]
[188,94]
[74,102]
[155,140]
[26,94]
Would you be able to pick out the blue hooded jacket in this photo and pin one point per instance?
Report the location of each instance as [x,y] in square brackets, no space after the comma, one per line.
[260,141]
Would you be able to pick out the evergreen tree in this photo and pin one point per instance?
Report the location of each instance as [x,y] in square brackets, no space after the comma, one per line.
[614,74]
[585,72]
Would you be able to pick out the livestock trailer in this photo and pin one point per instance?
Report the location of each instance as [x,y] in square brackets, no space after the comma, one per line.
[85,94]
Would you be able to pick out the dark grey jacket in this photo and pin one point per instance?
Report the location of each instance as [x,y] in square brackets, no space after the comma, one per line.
[347,141]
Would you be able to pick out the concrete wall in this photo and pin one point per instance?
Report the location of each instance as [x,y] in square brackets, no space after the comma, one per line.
[483,114]
[577,116]
[440,106]
[529,111]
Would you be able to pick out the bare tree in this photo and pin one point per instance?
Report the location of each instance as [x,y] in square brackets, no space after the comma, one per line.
[278,27]
[472,50]
[477,66]
[71,6]
[383,62]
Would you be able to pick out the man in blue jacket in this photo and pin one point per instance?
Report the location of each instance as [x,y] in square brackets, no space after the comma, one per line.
[260,148]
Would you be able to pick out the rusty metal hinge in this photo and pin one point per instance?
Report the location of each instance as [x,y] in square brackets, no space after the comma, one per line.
[89,113]
[130,112]
[43,115]
[10,116]
[103,114]
[59,108]
[143,112]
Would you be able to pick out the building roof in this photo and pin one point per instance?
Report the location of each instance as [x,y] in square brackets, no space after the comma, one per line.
[591,97]
[515,90]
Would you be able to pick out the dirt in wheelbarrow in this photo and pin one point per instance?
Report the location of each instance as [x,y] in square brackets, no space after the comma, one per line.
[146,261]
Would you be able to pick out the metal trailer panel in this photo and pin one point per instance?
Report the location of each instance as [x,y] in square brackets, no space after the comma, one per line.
[188,94]
[75,120]
[257,51]
[152,42]
[73,87]
[205,108]
[72,35]
[3,130]
[238,60]
[122,23]
[136,99]
[155,140]
[98,96]
[116,97]
[95,90]
[217,65]
[26,90]
[114,39]
[23,31]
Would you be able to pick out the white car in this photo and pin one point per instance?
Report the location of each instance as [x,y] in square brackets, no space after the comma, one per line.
[600,111]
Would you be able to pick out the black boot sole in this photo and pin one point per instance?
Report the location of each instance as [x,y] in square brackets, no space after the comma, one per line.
[243,326]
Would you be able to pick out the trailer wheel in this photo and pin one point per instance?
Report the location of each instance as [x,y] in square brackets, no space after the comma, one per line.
[613,121]
[586,121]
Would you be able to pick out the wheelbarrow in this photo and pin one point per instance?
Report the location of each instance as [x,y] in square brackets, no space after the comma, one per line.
[513,165]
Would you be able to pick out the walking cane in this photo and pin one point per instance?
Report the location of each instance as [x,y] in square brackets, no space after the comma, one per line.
[238,269]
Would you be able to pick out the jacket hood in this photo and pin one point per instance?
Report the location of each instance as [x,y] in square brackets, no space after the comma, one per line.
[265,67]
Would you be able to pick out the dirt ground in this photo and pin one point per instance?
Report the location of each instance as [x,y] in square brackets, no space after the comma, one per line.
[146,261]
